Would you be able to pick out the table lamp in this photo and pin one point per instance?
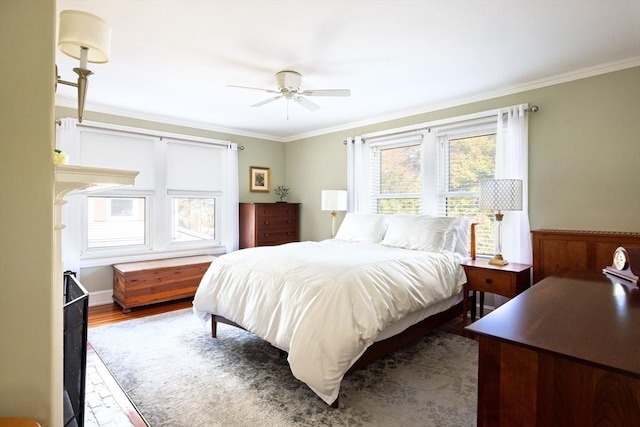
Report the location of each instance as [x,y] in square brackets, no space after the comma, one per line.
[334,200]
[500,195]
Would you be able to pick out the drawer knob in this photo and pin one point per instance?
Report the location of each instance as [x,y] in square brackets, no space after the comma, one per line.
[266,234]
[266,223]
[488,281]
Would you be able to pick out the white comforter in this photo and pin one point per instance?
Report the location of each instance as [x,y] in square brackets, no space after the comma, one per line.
[324,302]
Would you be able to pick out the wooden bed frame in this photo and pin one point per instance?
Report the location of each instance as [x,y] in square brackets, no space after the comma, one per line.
[382,348]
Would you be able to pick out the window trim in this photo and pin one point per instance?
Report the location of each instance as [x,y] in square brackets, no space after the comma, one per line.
[76,208]
[433,197]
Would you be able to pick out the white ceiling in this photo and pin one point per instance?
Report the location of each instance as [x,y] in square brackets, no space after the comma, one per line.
[171,60]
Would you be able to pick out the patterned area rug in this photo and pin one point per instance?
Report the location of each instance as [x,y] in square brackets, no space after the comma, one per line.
[177,375]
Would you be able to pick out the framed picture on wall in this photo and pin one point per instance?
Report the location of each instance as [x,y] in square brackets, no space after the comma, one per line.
[259,179]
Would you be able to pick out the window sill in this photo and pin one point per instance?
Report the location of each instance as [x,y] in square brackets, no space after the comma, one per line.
[102,261]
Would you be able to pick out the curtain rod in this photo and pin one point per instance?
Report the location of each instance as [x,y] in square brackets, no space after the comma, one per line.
[419,127]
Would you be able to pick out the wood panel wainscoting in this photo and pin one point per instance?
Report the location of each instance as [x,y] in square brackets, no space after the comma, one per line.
[559,251]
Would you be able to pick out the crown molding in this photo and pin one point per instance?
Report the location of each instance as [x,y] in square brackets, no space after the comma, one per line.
[524,87]
[510,90]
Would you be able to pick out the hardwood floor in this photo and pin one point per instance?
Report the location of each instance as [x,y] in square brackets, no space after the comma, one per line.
[112,313]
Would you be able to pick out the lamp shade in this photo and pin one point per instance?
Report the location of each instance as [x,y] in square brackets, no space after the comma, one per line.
[80,29]
[334,200]
[501,194]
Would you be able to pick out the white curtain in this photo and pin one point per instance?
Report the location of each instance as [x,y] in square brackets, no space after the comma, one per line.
[66,136]
[230,226]
[512,148]
[355,175]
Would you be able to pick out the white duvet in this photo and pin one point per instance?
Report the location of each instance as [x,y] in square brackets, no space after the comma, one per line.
[324,302]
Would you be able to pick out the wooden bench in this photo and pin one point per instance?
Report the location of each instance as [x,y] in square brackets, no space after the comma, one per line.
[149,282]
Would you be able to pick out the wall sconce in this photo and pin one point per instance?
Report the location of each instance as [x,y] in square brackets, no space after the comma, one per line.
[333,200]
[500,195]
[85,37]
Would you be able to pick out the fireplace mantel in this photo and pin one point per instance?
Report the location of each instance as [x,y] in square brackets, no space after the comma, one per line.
[85,178]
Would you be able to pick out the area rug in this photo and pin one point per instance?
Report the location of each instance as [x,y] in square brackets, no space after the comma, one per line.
[178,375]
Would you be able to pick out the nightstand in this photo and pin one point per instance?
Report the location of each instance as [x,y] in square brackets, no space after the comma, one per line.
[508,281]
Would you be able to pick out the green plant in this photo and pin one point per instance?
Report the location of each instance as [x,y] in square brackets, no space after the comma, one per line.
[281,191]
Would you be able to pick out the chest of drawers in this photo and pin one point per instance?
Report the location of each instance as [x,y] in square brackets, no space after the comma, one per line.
[268,224]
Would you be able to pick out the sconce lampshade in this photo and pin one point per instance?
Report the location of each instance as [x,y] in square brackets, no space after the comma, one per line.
[501,194]
[80,29]
[334,200]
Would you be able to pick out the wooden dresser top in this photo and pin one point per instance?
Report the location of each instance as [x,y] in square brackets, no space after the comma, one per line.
[585,316]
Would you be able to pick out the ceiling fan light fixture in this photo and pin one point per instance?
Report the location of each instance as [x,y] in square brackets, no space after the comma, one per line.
[289,80]
[289,89]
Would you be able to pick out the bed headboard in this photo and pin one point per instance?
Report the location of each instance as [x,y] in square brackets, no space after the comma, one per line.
[557,251]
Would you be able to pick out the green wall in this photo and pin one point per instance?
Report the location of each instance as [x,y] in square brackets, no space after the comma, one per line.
[584,156]
[30,295]
[584,148]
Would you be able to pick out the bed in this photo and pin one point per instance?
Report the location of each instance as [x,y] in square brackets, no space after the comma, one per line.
[337,304]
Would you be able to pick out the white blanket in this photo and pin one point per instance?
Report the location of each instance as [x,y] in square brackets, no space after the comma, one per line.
[324,302]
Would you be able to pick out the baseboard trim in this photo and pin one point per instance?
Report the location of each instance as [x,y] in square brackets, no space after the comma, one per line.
[100,298]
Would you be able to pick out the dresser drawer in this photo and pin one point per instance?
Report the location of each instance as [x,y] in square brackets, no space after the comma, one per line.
[275,238]
[491,281]
[272,223]
[276,210]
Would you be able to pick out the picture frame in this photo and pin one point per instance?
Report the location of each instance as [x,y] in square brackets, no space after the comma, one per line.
[259,179]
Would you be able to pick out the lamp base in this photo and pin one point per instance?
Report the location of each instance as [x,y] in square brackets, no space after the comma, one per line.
[498,260]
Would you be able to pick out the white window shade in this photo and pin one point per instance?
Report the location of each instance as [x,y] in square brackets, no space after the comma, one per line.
[204,167]
[120,151]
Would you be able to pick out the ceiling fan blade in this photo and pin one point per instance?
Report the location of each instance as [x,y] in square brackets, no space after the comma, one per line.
[326,92]
[266,101]
[255,88]
[311,106]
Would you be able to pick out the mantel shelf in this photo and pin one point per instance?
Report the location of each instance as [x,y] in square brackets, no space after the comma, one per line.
[78,179]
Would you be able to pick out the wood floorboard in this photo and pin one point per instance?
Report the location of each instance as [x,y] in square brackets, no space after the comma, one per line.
[112,313]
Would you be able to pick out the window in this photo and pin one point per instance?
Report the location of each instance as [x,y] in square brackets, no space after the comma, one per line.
[398,183]
[464,162]
[116,222]
[193,219]
[177,206]
[435,171]
[395,174]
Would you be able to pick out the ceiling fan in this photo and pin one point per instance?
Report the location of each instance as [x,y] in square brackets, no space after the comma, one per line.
[289,89]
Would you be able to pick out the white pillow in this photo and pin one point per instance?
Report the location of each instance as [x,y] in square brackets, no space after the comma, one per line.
[463,229]
[416,232]
[363,227]
[428,233]
[456,238]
